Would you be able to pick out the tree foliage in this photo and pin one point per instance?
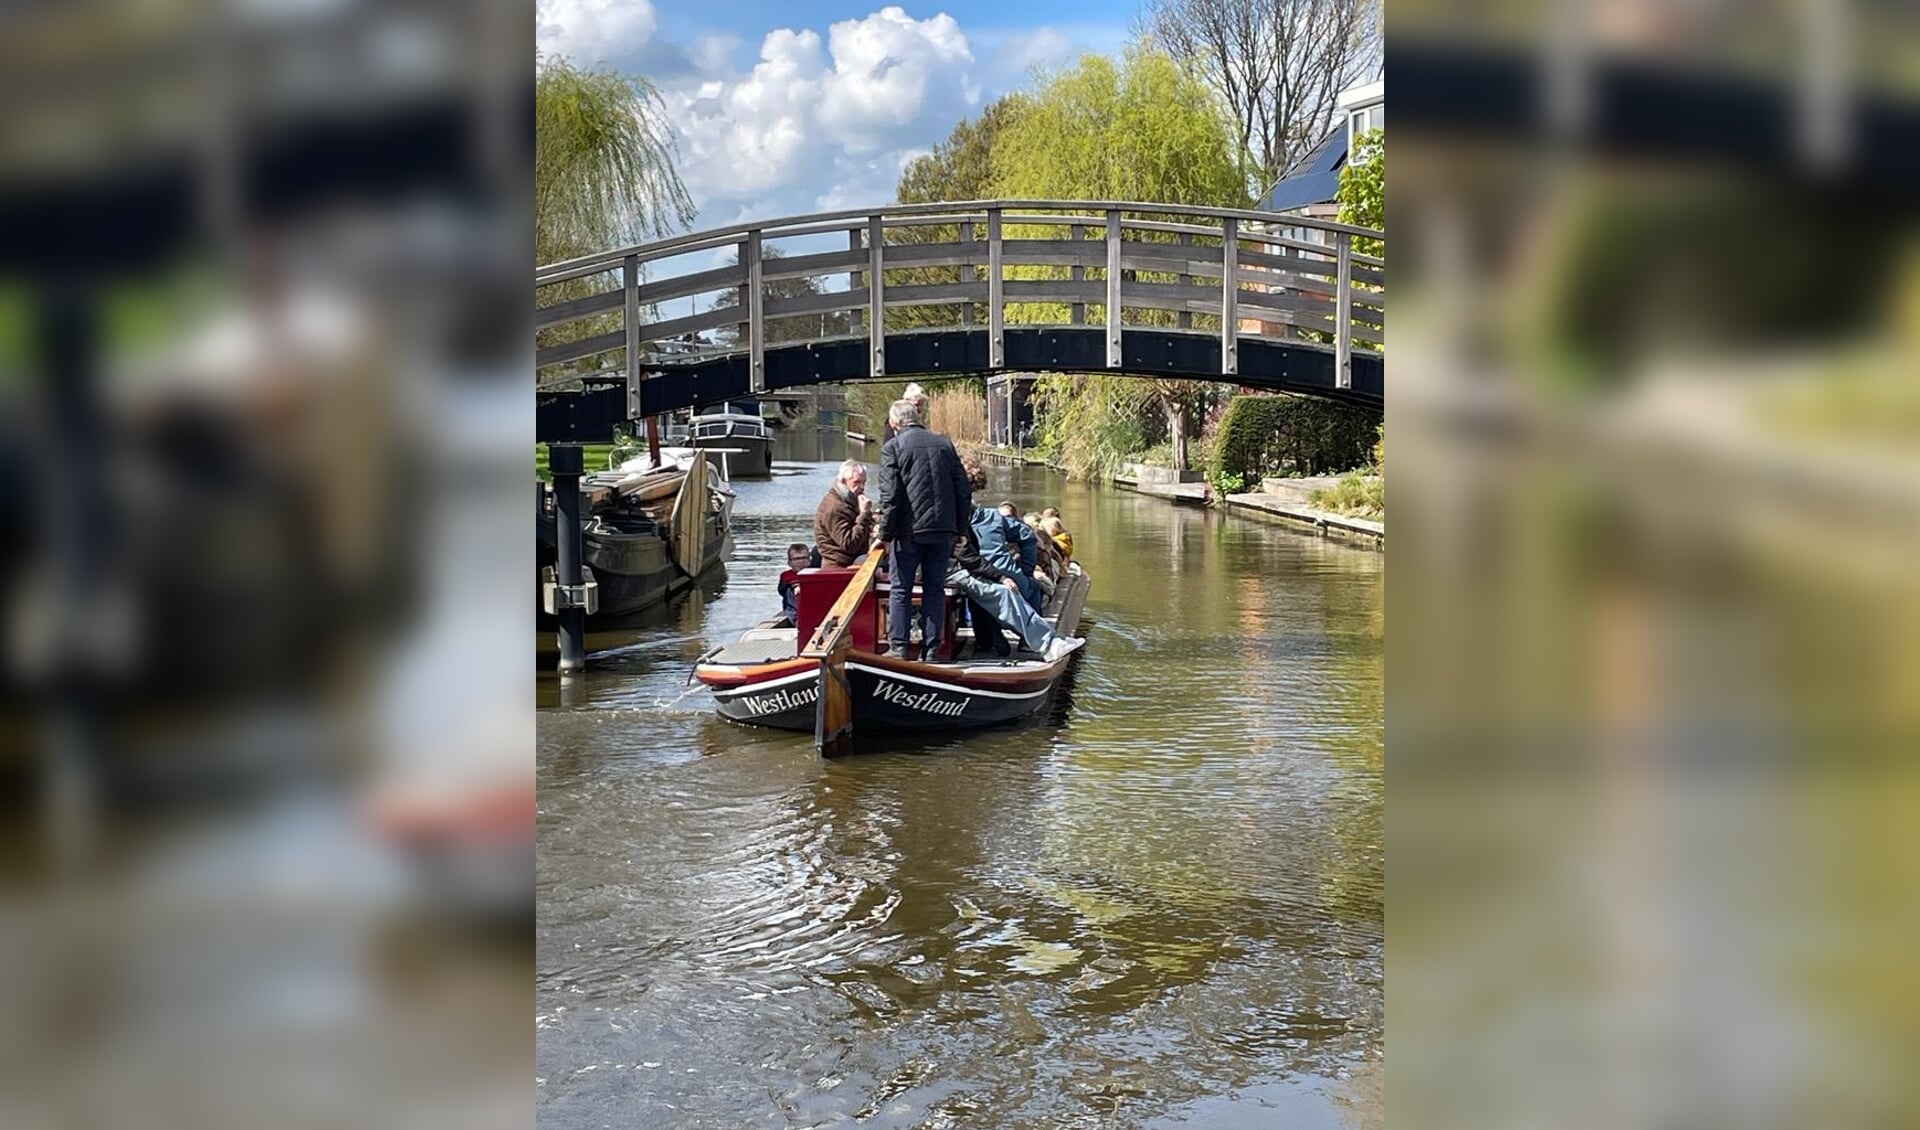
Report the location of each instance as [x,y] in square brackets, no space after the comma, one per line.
[959,168]
[1139,129]
[1262,435]
[1363,189]
[603,163]
[603,177]
[1278,66]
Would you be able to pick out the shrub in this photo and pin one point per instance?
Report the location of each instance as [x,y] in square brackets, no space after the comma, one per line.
[959,414]
[1355,493]
[1262,435]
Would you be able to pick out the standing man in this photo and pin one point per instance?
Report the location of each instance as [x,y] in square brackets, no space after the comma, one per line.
[843,525]
[916,396]
[925,502]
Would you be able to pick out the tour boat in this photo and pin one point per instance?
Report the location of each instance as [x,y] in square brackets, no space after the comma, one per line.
[646,531]
[828,673]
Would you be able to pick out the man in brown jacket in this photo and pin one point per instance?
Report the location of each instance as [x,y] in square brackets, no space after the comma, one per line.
[843,526]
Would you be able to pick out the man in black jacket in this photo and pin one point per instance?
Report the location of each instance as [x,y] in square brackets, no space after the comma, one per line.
[924,500]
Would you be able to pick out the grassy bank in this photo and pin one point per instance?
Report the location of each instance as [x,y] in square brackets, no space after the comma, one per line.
[593,458]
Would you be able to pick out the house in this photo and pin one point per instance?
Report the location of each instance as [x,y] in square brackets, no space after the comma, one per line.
[1311,187]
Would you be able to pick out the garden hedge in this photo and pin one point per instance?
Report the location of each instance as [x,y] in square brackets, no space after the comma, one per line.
[1275,435]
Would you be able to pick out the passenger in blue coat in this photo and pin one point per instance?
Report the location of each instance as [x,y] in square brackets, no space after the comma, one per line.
[1009,544]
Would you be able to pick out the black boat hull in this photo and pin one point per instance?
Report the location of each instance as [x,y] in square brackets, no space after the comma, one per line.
[634,571]
[883,699]
[754,458]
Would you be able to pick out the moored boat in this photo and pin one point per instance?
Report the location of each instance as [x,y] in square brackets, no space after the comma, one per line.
[828,673]
[738,429]
[648,531]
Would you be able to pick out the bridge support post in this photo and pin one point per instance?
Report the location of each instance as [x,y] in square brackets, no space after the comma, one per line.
[1113,288]
[1078,273]
[1343,312]
[996,295]
[1186,280]
[966,270]
[855,315]
[755,304]
[630,321]
[1230,296]
[567,599]
[876,299]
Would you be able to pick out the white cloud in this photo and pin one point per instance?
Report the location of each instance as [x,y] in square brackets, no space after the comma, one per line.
[1010,55]
[587,32]
[883,69]
[823,124]
[713,54]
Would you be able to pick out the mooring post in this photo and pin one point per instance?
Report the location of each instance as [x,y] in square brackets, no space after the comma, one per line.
[569,598]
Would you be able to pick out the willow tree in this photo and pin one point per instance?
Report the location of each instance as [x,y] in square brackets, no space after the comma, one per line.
[1140,128]
[603,163]
[603,177]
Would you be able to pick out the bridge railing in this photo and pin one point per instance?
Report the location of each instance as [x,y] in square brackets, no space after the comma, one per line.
[993,264]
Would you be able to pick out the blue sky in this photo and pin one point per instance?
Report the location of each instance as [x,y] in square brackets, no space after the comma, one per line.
[783,108]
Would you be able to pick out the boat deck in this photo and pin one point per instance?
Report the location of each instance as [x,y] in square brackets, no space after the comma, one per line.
[766,644]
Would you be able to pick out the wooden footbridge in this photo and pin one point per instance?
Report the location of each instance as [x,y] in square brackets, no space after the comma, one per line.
[940,290]
[1157,291]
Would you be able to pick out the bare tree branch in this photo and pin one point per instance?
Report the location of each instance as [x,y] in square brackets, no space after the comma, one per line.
[1278,65]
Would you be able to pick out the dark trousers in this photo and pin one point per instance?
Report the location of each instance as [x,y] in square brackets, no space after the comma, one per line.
[1030,588]
[987,634]
[924,556]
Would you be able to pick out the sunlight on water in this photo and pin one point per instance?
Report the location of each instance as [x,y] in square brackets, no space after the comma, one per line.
[1160,898]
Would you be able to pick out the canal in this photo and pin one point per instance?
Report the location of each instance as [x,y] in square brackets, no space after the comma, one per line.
[1160,904]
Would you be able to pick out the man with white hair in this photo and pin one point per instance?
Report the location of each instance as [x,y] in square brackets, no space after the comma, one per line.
[843,525]
[916,396]
[925,500]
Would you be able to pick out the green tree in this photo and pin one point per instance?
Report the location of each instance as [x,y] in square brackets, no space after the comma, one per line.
[797,327]
[603,177]
[1363,202]
[1363,189]
[1141,128]
[961,167]
[603,163]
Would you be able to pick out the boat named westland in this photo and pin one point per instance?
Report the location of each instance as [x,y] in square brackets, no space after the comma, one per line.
[764,679]
[931,702]
[784,699]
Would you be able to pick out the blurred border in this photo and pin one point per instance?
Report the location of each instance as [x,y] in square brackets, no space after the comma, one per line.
[265,727]
[1654,706]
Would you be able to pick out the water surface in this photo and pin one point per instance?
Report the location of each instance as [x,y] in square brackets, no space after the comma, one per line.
[1158,904]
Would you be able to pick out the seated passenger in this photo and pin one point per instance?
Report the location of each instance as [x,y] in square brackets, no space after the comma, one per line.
[1053,529]
[1008,545]
[996,601]
[1010,510]
[798,557]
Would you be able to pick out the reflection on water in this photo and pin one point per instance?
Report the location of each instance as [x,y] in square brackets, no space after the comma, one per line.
[1159,904]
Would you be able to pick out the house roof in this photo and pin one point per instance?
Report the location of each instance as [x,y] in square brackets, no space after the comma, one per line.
[1315,178]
